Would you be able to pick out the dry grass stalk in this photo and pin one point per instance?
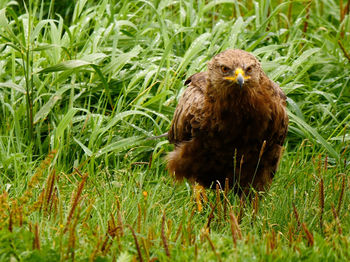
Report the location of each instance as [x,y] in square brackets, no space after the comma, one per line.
[341,194]
[15,213]
[4,208]
[120,223]
[189,227]
[76,201]
[271,243]
[136,243]
[337,220]
[296,214]
[290,234]
[20,216]
[212,246]
[151,234]
[88,211]
[233,233]
[308,234]
[227,188]
[343,12]
[343,49]
[112,232]
[347,8]
[49,189]
[164,239]
[319,165]
[39,203]
[72,236]
[148,242]
[146,245]
[240,167]
[210,217]
[71,248]
[54,203]
[321,193]
[241,209]
[36,241]
[34,181]
[235,229]
[341,9]
[262,149]
[10,220]
[343,153]
[169,224]
[178,231]
[112,227]
[106,245]
[96,250]
[307,16]
[218,202]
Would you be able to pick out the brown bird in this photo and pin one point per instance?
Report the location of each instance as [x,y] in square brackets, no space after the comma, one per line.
[230,122]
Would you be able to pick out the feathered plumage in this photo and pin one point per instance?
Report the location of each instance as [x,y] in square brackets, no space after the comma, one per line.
[232,107]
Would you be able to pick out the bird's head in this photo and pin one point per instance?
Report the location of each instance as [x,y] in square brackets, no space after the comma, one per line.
[234,69]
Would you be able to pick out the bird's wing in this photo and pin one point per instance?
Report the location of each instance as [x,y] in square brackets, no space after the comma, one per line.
[189,110]
[280,115]
[279,92]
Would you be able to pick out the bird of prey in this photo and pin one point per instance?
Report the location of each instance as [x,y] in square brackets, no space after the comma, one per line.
[230,122]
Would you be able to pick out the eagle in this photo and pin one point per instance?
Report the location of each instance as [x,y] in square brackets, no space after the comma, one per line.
[230,124]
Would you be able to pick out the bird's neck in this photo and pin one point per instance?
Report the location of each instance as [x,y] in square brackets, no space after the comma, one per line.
[234,100]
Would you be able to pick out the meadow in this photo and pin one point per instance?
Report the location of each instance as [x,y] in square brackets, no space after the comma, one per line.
[84,83]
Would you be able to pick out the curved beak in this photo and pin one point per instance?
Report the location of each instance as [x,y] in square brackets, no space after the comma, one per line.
[238,77]
[240,80]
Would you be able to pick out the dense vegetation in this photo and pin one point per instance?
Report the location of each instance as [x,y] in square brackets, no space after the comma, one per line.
[84,83]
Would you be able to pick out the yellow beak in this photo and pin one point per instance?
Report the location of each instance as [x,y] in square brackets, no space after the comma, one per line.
[238,77]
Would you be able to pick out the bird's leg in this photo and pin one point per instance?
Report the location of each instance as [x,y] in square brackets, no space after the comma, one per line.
[200,196]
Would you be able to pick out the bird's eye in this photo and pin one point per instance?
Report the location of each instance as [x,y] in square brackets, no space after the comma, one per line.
[225,69]
[249,69]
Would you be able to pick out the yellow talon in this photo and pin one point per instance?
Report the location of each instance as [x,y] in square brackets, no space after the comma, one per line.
[200,196]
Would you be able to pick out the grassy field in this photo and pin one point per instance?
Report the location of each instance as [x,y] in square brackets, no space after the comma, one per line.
[84,83]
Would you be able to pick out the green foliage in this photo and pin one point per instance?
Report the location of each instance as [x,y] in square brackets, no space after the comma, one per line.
[91,81]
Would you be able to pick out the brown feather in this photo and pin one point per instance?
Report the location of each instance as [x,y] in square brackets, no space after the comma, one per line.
[215,117]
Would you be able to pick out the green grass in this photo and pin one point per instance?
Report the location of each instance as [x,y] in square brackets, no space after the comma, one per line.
[83,84]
